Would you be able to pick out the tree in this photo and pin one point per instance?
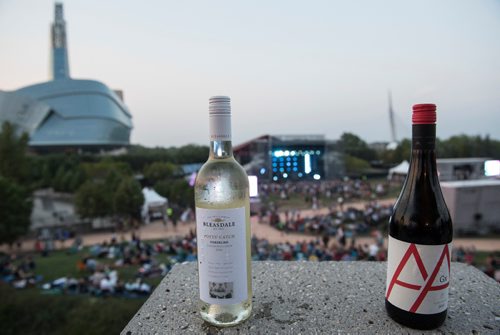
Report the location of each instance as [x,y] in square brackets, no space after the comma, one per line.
[107,170]
[138,157]
[354,165]
[159,171]
[191,153]
[181,193]
[402,152]
[468,146]
[77,179]
[15,204]
[13,163]
[95,197]
[93,200]
[176,191]
[15,211]
[353,145]
[163,188]
[58,182]
[128,199]
[62,172]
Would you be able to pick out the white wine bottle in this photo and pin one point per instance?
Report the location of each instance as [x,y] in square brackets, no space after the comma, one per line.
[223,226]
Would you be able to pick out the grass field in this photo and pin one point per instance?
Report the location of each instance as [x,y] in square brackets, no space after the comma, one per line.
[33,311]
[62,264]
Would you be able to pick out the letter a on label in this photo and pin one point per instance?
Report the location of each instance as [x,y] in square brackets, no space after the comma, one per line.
[418,281]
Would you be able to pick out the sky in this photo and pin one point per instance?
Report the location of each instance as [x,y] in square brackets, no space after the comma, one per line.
[290,67]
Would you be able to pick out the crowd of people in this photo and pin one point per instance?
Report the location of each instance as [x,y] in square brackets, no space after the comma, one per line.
[339,190]
[99,266]
[18,271]
[358,221]
[318,250]
[333,195]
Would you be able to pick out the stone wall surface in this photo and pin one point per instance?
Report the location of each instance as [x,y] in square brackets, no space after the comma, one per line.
[317,298]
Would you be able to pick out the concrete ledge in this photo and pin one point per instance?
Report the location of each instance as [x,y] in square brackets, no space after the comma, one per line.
[316,298]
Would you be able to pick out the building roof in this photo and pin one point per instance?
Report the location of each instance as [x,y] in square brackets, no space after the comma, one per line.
[464,160]
[23,112]
[470,183]
[401,168]
[69,112]
[247,143]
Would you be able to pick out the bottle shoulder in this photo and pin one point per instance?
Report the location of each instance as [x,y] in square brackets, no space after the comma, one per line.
[222,168]
[221,183]
[421,218]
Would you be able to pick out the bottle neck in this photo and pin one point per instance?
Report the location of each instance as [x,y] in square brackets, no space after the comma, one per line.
[423,156]
[221,149]
[220,135]
[423,137]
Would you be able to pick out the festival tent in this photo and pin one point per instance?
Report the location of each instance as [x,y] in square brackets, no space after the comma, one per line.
[400,170]
[153,204]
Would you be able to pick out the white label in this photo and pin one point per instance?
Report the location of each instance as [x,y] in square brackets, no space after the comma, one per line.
[418,276]
[220,127]
[222,261]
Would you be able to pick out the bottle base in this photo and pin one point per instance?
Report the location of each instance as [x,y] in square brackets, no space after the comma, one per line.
[226,315]
[415,320]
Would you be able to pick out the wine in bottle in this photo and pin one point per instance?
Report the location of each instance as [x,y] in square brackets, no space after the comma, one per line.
[223,226]
[420,235]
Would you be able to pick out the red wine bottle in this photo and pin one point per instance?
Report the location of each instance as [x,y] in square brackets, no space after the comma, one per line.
[420,235]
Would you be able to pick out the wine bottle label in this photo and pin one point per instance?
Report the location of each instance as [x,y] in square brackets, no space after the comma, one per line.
[418,276]
[222,259]
[220,127]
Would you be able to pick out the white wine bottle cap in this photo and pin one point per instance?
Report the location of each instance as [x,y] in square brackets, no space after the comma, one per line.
[219,105]
[219,109]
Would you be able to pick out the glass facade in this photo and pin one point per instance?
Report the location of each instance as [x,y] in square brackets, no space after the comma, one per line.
[82,113]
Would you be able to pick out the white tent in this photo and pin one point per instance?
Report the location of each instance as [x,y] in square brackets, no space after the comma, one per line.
[400,169]
[153,202]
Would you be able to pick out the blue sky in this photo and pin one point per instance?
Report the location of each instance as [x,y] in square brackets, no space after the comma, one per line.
[290,67]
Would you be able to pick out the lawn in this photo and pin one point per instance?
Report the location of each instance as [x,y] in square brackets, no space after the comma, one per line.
[60,263]
[34,311]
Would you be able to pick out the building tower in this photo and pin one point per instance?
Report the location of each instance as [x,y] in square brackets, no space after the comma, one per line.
[60,64]
[391,120]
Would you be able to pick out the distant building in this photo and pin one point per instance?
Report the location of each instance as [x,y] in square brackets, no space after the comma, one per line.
[378,146]
[474,205]
[450,169]
[280,158]
[66,114]
[52,210]
[461,168]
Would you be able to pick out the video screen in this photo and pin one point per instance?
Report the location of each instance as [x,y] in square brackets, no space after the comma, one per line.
[492,168]
[297,163]
[253,186]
